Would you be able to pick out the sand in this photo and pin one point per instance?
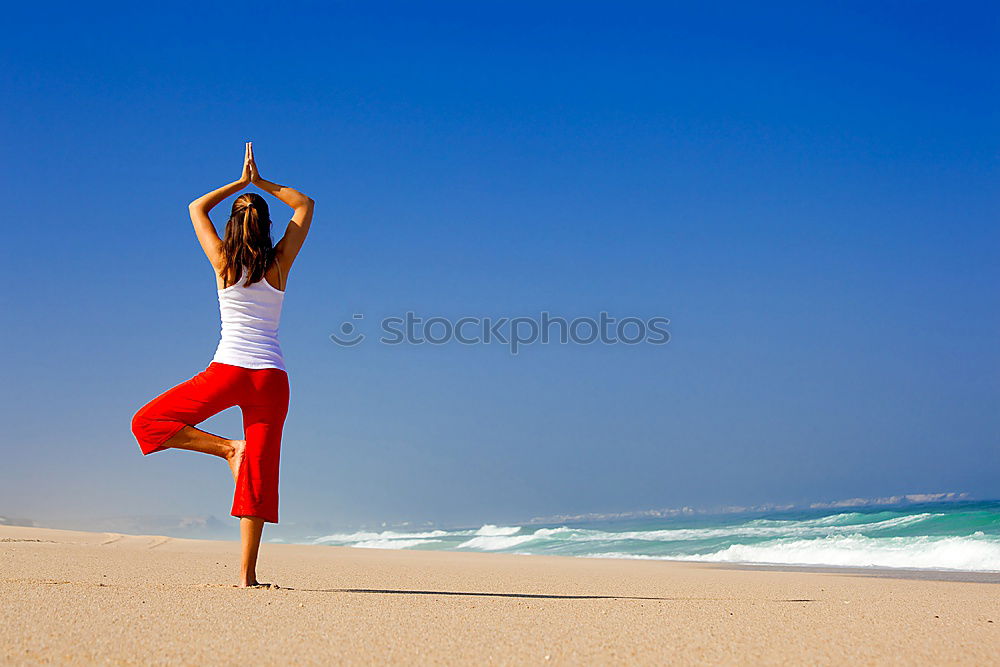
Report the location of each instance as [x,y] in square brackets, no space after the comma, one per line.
[73,597]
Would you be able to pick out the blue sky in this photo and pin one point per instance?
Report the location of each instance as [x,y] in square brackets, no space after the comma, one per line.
[808,193]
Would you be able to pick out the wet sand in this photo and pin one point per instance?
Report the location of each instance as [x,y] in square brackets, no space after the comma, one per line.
[79,597]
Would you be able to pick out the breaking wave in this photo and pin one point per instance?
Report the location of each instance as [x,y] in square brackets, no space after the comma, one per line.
[954,536]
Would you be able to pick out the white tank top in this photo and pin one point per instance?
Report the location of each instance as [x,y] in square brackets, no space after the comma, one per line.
[250,317]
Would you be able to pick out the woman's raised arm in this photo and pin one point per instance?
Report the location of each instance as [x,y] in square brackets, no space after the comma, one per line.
[199,208]
[295,235]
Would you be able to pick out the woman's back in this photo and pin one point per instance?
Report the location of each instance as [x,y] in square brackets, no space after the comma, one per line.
[250,319]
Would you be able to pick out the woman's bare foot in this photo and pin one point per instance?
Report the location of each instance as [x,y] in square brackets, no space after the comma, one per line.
[235,458]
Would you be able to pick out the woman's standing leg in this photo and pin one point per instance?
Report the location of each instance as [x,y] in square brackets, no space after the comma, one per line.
[251,528]
[255,499]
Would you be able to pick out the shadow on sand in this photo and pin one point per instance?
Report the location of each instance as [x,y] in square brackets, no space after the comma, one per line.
[538,596]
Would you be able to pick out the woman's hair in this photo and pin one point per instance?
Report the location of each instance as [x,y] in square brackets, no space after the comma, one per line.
[247,242]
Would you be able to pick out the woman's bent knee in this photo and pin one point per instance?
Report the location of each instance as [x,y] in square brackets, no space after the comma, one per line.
[151,433]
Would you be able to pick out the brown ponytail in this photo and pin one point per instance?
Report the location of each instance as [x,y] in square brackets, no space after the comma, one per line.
[247,242]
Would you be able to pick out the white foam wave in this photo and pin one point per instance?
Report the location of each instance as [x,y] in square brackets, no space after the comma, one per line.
[362,536]
[859,520]
[830,520]
[391,544]
[495,542]
[853,539]
[975,553]
[759,528]
[499,541]
[838,524]
[490,529]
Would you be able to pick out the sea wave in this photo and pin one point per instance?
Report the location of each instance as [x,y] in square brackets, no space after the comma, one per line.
[757,528]
[976,552]
[386,535]
[499,542]
[495,542]
[931,537]
[393,543]
[490,529]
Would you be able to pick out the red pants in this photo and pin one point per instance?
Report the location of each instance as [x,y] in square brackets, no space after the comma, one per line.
[262,395]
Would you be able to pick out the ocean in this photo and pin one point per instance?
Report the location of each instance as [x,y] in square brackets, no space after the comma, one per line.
[961,536]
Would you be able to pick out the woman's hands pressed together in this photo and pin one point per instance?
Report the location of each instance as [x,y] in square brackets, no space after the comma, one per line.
[252,163]
[246,178]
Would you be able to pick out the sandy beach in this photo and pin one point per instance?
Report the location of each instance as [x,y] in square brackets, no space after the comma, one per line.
[81,597]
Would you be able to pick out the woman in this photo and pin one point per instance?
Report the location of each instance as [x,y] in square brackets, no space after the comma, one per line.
[248,369]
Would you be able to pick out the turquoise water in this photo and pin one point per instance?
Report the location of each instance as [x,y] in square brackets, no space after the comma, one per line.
[947,536]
